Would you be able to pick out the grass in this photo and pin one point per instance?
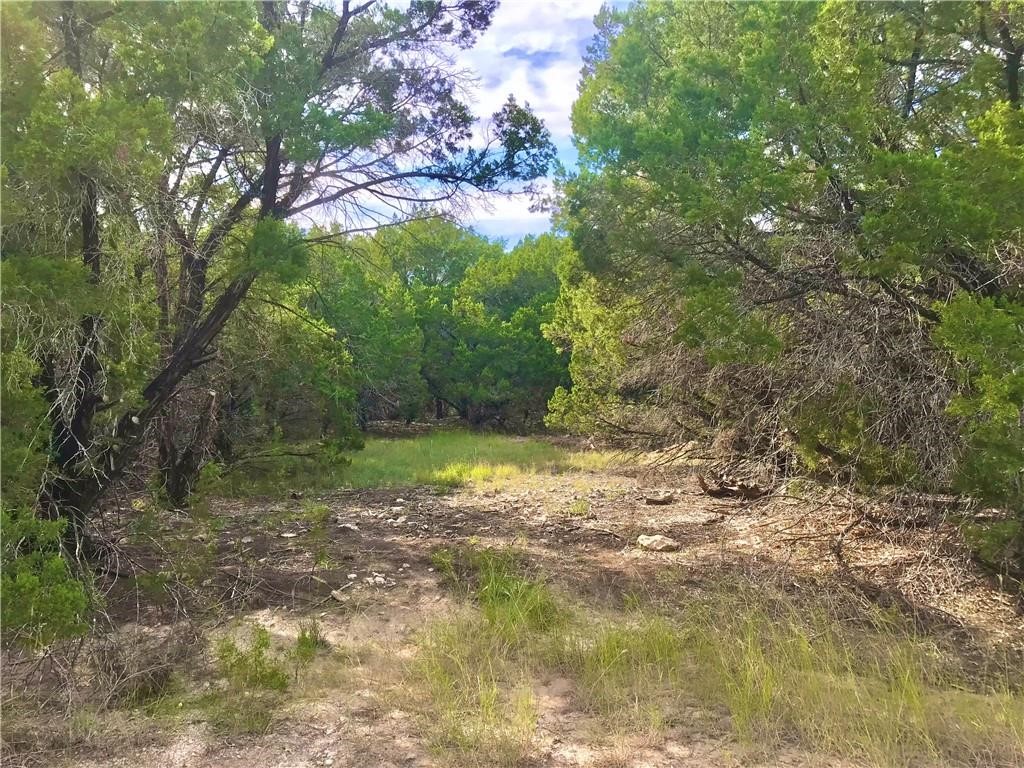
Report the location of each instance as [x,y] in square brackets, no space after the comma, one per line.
[443,459]
[478,705]
[863,687]
[454,458]
[254,680]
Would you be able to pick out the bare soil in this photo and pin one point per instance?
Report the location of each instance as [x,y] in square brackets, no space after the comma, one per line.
[580,529]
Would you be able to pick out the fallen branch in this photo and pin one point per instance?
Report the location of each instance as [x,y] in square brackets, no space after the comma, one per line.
[737,491]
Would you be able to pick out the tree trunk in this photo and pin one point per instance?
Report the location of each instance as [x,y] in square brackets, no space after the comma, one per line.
[74,403]
[73,496]
[180,468]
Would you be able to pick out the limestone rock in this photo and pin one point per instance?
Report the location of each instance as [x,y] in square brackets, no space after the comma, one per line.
[657,543]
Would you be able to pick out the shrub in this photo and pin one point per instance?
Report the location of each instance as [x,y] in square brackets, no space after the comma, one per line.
[254,667]
[40,600]
[308,644]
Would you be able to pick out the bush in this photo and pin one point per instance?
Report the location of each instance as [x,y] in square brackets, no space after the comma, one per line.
[40,599]
[254,667]
[984,337]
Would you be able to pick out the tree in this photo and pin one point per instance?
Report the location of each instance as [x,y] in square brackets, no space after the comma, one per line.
[783,214]
[372,313]
[429,259]
[509,368]
[206,129]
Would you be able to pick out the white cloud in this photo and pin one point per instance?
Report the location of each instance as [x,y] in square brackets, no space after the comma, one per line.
[532,50]
[508,217]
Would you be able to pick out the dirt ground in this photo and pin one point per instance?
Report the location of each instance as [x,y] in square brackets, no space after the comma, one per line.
[580,528]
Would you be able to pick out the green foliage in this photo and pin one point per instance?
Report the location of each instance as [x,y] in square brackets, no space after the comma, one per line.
[22,429]
[310,642]
[1000,544]
[257,677]
[42,602]
[834,431]
[154,156]
[433,309]
[288,375]
[591,329]
[251,667]
[373,316]
[789,218]
[278,469]
[276,248]
[986,338]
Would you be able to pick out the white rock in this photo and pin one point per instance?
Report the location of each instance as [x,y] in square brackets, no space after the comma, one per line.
[247,539]
[352,576]
[657,543]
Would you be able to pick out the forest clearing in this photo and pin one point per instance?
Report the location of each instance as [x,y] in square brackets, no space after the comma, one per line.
[511,619]
[477,383]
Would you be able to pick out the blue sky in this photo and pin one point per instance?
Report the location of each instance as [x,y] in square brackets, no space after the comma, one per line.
[534,50]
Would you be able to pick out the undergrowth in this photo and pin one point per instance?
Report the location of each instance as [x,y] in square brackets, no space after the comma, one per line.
[443,459]
[253,678]
[864,686]
[281,469]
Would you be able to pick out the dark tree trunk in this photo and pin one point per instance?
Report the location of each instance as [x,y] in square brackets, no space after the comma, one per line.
[75,401]
[180,468]
[1013,64]
[75,494]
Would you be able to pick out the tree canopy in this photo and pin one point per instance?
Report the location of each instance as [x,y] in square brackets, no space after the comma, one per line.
[801,222]
[230,233]
[162,164]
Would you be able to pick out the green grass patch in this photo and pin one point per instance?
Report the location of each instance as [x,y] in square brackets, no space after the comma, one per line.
[862,686]
[455,458]
[444,459]
[476,689]
[512,602]
[477,702]
[254,679]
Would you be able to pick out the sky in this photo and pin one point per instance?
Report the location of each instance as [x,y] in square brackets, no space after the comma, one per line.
[533,50]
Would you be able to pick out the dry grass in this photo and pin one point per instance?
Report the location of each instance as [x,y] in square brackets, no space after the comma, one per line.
[863,687]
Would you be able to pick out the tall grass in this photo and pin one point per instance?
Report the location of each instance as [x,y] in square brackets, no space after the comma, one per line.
[478,703]
[870,689]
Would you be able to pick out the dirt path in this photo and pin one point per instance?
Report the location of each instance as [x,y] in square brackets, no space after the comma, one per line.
[580,529]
